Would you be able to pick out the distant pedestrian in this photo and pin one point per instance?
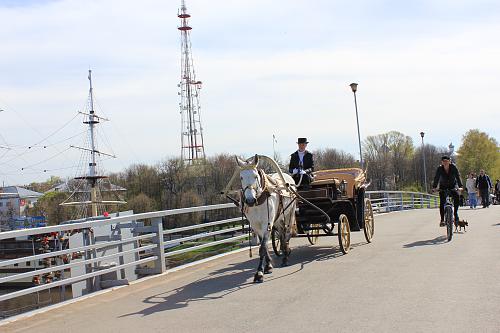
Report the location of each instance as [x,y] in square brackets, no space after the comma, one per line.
[483,183]
[470,184]
[497,192]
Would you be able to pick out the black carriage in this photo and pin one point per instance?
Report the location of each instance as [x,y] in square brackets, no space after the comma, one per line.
[333,204]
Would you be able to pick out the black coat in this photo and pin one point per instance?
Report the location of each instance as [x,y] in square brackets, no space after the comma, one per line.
[308,163]
[483,182]
[447,180]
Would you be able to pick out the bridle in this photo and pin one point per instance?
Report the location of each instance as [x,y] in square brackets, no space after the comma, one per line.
[259,186]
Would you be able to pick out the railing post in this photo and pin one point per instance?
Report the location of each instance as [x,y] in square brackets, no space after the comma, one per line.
[402,201]
[159,251]
[421,200]
[429,202]
[412,200]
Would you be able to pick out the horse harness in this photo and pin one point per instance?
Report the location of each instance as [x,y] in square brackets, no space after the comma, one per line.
[265,194]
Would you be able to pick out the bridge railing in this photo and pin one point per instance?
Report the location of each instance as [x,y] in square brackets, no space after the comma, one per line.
[152,247]
[388,201]
[154,243]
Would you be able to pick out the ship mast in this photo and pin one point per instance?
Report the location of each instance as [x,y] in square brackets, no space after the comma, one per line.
[92,174]
[92,177]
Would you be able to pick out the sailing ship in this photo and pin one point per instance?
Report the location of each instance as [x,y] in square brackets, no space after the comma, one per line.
[89,188]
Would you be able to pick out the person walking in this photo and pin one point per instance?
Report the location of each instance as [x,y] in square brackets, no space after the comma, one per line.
[470,184]
[497,192]
[483,183]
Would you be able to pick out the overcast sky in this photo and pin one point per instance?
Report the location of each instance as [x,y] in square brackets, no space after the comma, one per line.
[279,67]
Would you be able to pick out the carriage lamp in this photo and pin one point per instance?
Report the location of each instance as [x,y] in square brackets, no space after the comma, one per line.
[354,87]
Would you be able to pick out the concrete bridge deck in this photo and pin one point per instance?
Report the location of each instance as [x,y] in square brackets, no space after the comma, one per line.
[408,280]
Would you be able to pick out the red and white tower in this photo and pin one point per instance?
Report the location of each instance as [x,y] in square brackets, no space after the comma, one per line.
[192,149]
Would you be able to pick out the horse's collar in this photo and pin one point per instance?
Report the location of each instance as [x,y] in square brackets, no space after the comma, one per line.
[263,197]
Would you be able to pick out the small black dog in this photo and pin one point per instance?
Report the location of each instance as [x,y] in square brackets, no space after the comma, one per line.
[461,224]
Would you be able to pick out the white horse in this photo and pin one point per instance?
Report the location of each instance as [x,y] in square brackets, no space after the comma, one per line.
[266,200]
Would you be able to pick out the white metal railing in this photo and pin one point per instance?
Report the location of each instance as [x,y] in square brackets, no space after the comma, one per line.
[387,201]
[151,243]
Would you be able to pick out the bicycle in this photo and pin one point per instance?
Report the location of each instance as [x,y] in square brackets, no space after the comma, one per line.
[448,215]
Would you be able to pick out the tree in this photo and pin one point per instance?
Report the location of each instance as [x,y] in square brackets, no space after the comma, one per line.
[141,203]
[331,158]
[46,185]
[479,151]
[48,206]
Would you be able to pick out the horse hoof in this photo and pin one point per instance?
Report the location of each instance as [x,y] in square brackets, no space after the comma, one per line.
[268,269]
[258,277]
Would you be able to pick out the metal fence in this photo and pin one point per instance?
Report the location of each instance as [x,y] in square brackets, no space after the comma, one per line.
[156,244]
[388,201]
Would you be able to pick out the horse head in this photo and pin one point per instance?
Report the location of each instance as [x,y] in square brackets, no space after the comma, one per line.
[251,184]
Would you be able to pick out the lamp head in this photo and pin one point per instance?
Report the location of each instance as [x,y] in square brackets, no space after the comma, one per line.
[422,134]
[354,87]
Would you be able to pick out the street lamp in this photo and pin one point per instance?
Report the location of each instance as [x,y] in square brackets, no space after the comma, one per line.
[354,88]
[423,159]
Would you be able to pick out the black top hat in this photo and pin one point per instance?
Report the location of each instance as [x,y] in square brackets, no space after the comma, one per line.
[302,140]
[445,157]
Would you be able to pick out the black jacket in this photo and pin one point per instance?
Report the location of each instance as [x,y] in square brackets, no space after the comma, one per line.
[483,182]
[308,163]
[447,180]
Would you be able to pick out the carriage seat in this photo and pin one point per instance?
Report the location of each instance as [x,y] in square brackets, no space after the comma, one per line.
[354,178]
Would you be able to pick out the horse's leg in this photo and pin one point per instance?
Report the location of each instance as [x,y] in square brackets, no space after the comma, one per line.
[285,240]
[259,276]
[268,269]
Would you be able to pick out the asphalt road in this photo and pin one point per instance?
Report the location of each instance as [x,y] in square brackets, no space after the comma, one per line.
[408,280]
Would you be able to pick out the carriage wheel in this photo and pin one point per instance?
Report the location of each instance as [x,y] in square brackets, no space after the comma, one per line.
[369,227]
[312,235]
[276,241]
[344,233]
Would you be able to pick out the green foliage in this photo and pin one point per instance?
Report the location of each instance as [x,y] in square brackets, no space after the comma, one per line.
[48,206]
[479,151]
[46,185]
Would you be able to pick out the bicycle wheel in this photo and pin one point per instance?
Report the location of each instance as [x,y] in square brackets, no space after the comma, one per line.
[448,217]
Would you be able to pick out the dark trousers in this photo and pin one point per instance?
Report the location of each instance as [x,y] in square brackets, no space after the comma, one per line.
[485,196]
[306,180]
[442,201]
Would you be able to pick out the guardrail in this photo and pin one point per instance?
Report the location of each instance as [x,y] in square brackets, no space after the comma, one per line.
[387,201]
[153,247]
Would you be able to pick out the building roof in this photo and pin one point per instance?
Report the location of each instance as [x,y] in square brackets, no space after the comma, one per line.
[18,192]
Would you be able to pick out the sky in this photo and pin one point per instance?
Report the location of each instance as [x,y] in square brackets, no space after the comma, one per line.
[280,67]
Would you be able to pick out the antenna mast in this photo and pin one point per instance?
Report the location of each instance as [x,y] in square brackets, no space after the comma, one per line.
[192,148]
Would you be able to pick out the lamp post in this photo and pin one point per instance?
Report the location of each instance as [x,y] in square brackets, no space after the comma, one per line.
[423,159]
[354,88]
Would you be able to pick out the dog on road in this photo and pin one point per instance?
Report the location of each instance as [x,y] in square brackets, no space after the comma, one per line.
[461,224]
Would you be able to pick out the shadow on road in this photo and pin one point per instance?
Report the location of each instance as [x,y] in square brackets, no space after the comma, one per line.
[231,279]
[435,241]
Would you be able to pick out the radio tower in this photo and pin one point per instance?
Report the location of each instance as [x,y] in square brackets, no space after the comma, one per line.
[192,149]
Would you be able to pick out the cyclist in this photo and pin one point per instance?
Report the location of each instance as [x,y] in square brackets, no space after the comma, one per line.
[448,178]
